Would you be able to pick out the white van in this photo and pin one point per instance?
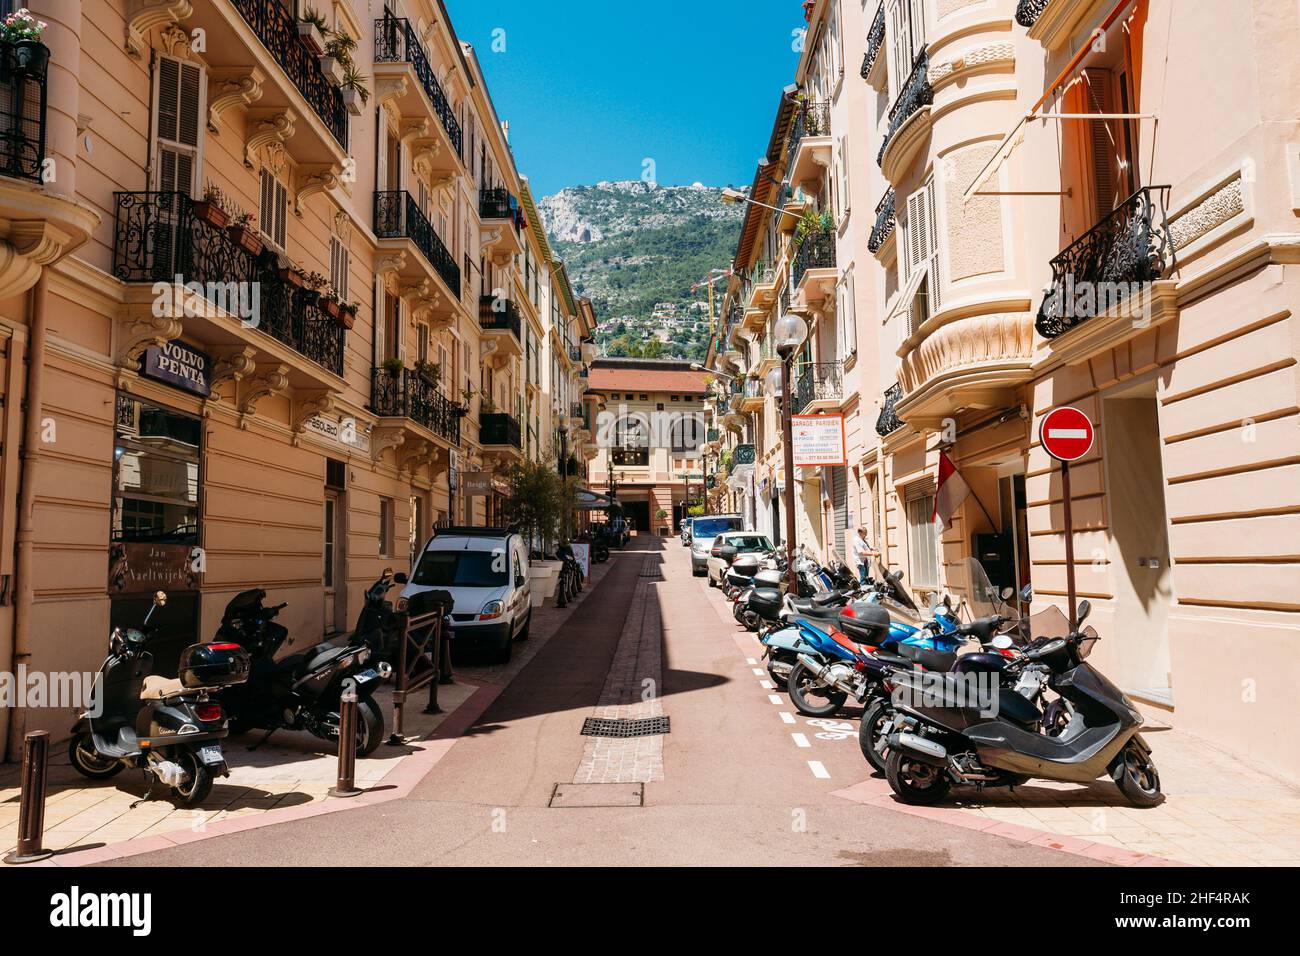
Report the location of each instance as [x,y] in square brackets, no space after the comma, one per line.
[486,572]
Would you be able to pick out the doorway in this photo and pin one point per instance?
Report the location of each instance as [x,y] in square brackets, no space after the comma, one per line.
[1138,541]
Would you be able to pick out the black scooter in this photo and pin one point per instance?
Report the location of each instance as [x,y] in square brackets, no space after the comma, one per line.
[300,691]
[169,728]
[940,743]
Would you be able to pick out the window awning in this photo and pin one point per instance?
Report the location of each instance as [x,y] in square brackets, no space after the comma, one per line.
[903,300]
[1017,133]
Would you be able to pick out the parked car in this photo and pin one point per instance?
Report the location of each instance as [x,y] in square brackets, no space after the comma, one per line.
[745,542]
[486,572]
[703,530]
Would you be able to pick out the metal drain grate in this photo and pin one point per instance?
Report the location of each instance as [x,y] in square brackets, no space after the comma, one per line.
[655,573]
[629,727]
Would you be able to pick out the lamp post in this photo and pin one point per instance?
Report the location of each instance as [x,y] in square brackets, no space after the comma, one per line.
[788,336]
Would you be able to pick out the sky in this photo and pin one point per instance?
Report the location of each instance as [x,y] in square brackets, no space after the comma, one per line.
[594,89]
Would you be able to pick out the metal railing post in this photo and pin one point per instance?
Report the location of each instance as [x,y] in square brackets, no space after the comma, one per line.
[399,691]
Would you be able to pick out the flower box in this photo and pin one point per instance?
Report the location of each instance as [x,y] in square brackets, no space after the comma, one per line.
[330,306]
[352,100]
[332,68]
[212,213]
[291,277]
[311,35]
[247,239]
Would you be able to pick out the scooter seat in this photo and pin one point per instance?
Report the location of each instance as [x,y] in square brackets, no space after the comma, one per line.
[931,660]
[157,688]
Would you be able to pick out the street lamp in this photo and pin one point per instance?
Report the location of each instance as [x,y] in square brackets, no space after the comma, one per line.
[788,336]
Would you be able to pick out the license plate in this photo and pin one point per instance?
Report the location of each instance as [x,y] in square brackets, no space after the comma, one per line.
[367,675]
[210,754]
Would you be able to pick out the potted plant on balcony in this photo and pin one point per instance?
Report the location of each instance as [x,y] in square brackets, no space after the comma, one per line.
[393,366]
[243,230]
[431,372]
[291,275]
[486,406]
[312,29]
[313,283]
[330,302]
[355,92]
[211,208]
[813,223]
[338,56]
[348,313]
[21,32]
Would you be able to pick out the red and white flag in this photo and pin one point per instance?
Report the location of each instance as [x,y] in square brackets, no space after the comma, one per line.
[951,492]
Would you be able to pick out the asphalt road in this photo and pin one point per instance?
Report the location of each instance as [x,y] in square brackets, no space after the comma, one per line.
[748,782]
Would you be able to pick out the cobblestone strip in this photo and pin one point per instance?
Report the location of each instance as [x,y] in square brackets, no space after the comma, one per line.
[626,694]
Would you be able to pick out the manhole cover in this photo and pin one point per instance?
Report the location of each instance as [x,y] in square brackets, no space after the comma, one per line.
[598,795]
[627,727]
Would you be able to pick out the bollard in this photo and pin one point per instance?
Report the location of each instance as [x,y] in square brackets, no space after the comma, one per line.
[435,661]
[31,808]
[346,784]
[400,679]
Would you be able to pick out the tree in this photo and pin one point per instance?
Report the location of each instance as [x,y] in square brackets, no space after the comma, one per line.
[535,501]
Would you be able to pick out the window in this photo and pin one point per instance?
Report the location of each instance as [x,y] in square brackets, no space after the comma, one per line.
[385,527]
[907,40]
[179,92]
[922,544]
[156,474]
[921,256]
[421,342]
[274,209]
[846,317]
[339,264]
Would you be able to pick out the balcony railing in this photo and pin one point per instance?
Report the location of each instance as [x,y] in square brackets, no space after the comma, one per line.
[916,92]
[812,119]
[157,237]
[1028,12]
[1111,261]
[817,251]
[817,382]
[498,428]
[408,394]
[397,42]
[500,204]
[278,31]
[888,421]
[575,354]
[22,117]
[884,226]
[398,216]
[499,315]
[578,410]
[875,40]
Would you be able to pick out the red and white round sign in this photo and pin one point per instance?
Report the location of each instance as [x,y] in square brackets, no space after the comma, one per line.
[1066,433]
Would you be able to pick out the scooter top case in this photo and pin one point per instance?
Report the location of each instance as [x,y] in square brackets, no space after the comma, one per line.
[766,603]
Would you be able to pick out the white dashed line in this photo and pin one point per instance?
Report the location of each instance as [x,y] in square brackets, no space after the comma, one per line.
[766,685]
[819,770]
[800,740]
[776,699]
[759,672]
[788,718]
[750,660]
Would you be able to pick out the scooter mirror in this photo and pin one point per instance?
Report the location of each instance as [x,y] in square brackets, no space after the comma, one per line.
[388,574]
[1085,608]
[160,598]
[1027,593]
[1006,594]
[400,577]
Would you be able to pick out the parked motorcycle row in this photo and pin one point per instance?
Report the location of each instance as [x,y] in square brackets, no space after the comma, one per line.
[172,728]
[1045,712]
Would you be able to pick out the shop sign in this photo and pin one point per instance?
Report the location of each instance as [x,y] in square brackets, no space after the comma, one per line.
[343,432]
[477,483]
[818,440]
[136,567]
[179,365]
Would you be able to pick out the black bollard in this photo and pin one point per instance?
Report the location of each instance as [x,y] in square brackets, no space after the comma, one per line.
[346,785]
[31,808]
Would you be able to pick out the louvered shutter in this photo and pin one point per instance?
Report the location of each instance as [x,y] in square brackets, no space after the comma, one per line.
[178,108]
[273,209]
[933,283]
[1103,145]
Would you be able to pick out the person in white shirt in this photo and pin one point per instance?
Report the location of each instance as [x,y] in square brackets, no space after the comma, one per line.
[862,551]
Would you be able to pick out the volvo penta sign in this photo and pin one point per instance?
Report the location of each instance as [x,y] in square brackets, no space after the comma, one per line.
[179,365]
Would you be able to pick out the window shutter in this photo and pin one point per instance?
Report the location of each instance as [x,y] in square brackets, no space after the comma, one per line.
[178,107]
[273,209]
[1102,145]
[932,252]
[340,264]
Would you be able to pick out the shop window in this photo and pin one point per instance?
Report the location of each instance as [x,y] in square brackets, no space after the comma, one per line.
[156,475]
[922,542]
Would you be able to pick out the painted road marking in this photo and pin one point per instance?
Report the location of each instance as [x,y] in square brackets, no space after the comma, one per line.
[759,672]
[766,685]
[800,740]
[776,699]
[788,718]
[750,660]
[819,770]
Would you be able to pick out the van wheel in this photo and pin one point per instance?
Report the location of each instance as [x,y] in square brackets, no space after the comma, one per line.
[528,623]
[506,649]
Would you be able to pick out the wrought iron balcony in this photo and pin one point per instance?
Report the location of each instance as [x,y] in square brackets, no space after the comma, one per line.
[875,40]
[916,93]
[817,382]
[398,216]
[22,117]
[408,394]
[498,428]
[1114,259]
[500,315]
[884,226]
[817,251]
[812,119]
[396,42]
[278,31]
[888,421]
[1028,12]
[577,410]
[157,237]
[575,354]
[500,204]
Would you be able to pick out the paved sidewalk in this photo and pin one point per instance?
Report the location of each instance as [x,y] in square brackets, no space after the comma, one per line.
[286,778]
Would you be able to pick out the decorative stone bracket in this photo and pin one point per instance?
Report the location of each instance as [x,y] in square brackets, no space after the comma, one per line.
[313,180]
[25,247]
[413,455]
[143,15]
[270,382]
[385,438]
[138,329]
[266,127]
[231,365]
[309,406]
[238,86]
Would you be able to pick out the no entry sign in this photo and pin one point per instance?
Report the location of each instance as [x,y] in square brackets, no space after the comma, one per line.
[1066,433]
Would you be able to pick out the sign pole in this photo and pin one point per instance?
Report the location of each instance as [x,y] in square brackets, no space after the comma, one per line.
[1069,542]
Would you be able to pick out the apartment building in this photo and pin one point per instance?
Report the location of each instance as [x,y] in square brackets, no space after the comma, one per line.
[1088,203]
[649,437]
[266,321]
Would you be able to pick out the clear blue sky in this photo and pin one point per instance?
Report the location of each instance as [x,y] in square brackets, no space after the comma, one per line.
[591,89]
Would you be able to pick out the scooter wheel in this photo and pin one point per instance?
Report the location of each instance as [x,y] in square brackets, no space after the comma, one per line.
[869,732]
[919,784]
[196,790]
[811,697]
[86,760]
[1136,777]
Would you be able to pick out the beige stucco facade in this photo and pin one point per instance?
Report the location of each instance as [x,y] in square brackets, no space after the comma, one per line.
[319,449]
[1188,191]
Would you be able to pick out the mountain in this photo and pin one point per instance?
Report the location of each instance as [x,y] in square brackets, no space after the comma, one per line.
[636,248]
